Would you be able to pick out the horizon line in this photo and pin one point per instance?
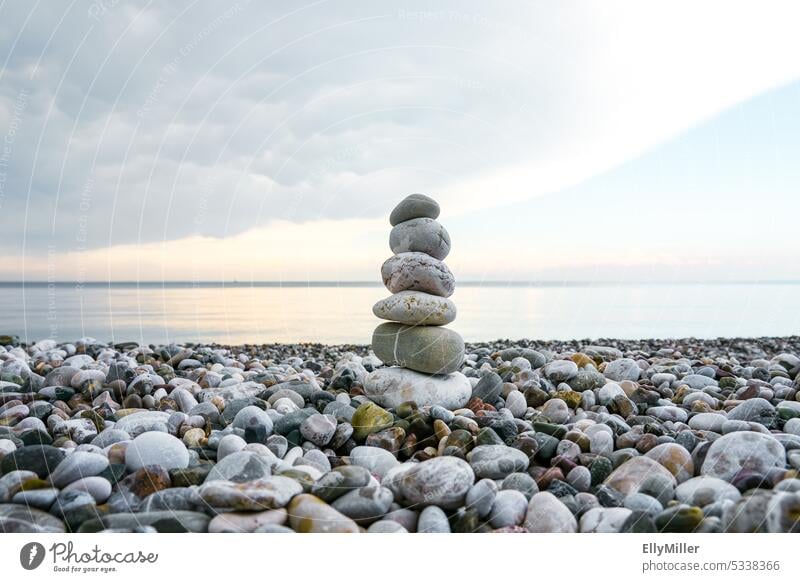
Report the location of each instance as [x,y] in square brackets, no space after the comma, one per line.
[357,283]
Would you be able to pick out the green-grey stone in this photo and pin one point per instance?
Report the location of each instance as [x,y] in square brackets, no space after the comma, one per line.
[426,349]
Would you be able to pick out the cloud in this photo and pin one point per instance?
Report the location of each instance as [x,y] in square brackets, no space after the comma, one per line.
[194,121]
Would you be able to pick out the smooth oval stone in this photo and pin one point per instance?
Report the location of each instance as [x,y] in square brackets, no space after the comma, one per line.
[735,451]
[675,458]
[98,487]
[366,504]
[622,369]
[37,498]
[497,461]
[370,418]
[427,349]
[156,448]
[417,272]
[76,466]
[604,519]
[433,519]
[441,481]
[246,522]
[341,480]
[782,513]
[374,459]
[414,206]
[142,422]
[481,496]
[643,475]
[309,514]
[265,493]
[561,370]
[510,507]
[754,410]
[639,502]
[23,519]
[240,467]
[41,459]
[547,514]
[391,387]
[386,526]
[163,521]
[252,417]
[318,429]
[712,421]
[420,235]
[416,308]
[229,444]
[702,491]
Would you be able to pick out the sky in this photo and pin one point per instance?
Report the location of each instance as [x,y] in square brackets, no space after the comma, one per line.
[199,140]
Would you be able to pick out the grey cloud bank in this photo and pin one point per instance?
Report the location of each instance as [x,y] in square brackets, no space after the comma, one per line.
[156,122]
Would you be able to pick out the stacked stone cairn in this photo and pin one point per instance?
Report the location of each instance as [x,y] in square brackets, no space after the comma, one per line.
[424,356]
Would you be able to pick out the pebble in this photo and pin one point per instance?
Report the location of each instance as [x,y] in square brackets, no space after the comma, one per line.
[156,448]
[424,348]
[604,519]
[414,206]
[516,404]
[309,514]
[441,481]
[385,526]
[265,493]
[509,509]
[98,487]
[319,429]
[433,520]
[78,465]
[366,504]
[497,461]
[339,481]
[481,496]
[416,308]
[674,458]
[704,490]
[417,272]
[546,514]
[391,387]
[233,522]
[754,410]
[708,421]
[622,369]
[240,467]
[253,417]
[736,451]
[370,418]
[376,460]
[420,235]
[643,475]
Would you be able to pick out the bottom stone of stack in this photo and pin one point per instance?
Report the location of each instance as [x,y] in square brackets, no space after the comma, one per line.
[423,348]
[390,387]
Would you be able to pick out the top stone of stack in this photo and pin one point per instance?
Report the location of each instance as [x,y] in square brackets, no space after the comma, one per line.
[414,206]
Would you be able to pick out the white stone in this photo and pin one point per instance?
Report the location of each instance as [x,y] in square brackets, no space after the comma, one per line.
[416,308]
[156,448]
[516,404]
[390,387]
[604,519]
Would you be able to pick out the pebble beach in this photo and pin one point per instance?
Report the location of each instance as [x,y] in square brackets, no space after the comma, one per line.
[583,436]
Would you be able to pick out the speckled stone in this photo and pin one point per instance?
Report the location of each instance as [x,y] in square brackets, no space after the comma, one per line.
[416,308]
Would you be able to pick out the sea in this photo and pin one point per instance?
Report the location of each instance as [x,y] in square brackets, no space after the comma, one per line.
[341,312]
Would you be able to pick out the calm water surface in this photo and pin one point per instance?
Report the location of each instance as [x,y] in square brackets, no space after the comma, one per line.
[335,313]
